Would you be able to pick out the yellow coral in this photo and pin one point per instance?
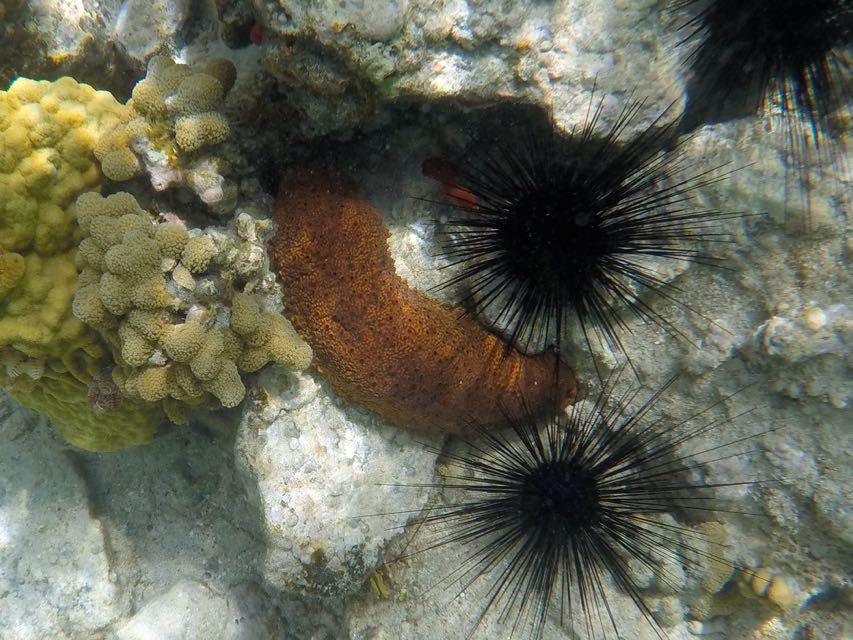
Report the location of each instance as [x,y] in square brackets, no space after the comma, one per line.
[232,345]
[120,164]
[11,271]
[189,387]
[135,349]
[113,148]
[90,254]
[200,130]
[286,347]
[64,400]
[150,294]
[137,257]
[207,361]
[48,134]
[227,385]
[268,337]
[173,111]
[93,213]
[166,74]
[148,99]
[89,308]
[253,358]
[197,93]
[151,324]
[161,360]
[171,236]
[245,314]
[152,384]
[114,294]
[183,341]
[223,70]
[198,253]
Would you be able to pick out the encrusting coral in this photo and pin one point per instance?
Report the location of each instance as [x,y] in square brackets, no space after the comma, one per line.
[49,358]
[380,342]
[171,345]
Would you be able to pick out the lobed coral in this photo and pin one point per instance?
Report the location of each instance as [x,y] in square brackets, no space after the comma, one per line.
[200,130]
[172,343]
[108,321]
[48,357]
[174,117]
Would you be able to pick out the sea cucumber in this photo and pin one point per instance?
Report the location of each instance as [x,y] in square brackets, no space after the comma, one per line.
[417,363]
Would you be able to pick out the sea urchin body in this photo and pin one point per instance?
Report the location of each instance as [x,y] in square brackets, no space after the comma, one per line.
[550,511]
[789,58]
[797,53]
[552,228]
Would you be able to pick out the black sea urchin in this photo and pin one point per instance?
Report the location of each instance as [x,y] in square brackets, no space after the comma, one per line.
[552,227]
[791,57]
[548,512]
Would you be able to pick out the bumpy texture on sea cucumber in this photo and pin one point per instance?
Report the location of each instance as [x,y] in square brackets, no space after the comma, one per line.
[383,344]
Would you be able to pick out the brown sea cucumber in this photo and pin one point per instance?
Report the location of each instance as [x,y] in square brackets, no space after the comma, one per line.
[379,342]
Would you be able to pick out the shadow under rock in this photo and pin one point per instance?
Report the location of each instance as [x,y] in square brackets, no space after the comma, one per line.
[178,509]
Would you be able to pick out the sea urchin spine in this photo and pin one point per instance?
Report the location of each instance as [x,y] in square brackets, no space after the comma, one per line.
[548,509]
[796,53]
[551,228]
[793,58]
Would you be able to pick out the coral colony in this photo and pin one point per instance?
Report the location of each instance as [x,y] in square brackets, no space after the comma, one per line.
[93,285]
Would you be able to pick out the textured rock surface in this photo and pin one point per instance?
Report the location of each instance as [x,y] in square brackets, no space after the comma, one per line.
[193,610]
[342,58]
[144,26]
[322,474]
[93,545]
[55,555]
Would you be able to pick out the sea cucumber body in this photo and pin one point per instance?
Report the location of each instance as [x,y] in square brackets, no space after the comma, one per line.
[381,343]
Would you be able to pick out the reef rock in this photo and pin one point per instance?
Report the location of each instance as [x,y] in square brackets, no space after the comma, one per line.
[54,553]
[551,53]
[321,472]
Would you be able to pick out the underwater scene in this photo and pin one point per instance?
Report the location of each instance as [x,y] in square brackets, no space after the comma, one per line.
[426,320]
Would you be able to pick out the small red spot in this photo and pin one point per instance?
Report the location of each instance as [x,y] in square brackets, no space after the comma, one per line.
[444,171]
[256,35]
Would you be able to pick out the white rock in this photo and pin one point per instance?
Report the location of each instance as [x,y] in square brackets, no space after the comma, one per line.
[192,610]
[549,53]
[55,572]
[324,475]
[142,27]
